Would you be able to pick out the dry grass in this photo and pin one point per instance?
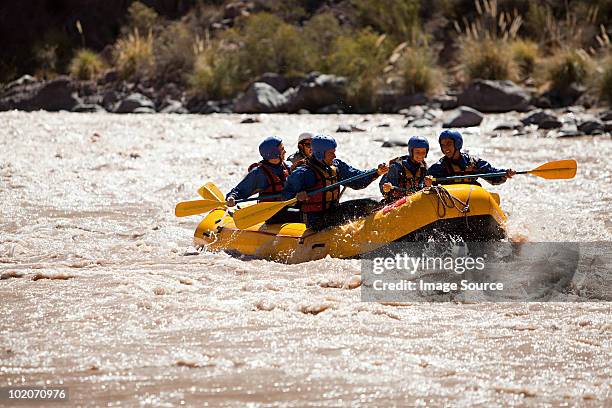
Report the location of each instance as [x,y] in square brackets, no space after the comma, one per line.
[175,52]
[526,54]
[419,71]
[485,42]
[605,80]
[86,65]
[215,73]
[134,57]
[487,59]
[568,66]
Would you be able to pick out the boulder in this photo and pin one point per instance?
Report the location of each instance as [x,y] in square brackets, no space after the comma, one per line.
[260,98]
[276,81]
[174,107]
[564,133]
[537,117]
[494,96]
[463,117]
[110,99]
[349,129]
[591,126]
[88,108]
[316,92]
[136,101]
[550,124]
[512,124]
[608,126]
[564,97]
[419,123]
[29,95]
[330,109]
[143,109]
[606,116]
[222,106]
[394,143]
[416,111]
[390,101]
[446,102]
[237,9]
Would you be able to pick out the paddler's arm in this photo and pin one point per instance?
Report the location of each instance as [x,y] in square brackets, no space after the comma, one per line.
[299,180]
[484,166]
[436,171]
[345,171]
[253,182]
[392,179]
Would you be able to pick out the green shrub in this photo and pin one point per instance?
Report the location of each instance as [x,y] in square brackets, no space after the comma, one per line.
[569,66]
[487,59]
[320,33]
[175,51]
[268,44]
[134,55]
[86,65]
[525,53]
[361,57]
[215,74]
[419,71]
[141,18]
[397,18]
[605,81]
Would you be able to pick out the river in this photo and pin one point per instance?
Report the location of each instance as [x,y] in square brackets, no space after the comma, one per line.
[103,293]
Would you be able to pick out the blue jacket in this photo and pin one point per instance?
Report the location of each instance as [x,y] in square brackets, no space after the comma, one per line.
[254,182]
[472,164]
[303,178]
[396,175]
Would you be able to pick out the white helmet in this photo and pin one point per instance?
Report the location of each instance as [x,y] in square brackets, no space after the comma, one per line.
[305,136]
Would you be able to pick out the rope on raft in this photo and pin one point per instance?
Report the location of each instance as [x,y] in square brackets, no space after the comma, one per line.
[446,200]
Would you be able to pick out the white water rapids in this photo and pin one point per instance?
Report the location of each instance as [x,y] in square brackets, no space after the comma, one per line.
[101,291]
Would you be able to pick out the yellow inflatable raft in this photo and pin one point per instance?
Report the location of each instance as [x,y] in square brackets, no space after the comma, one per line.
[464,210]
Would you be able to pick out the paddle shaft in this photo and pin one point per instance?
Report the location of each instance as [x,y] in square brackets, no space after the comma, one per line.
[321,190]
[483,175]
[342,182]
[498,174]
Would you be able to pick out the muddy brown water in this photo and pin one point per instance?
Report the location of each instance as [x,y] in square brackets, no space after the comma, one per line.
[99,292]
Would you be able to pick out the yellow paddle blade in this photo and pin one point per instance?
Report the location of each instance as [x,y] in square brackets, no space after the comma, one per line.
[254,214]
[185,208]
[210,191]
[560,169]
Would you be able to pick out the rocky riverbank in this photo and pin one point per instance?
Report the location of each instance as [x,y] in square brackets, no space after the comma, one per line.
[317,93]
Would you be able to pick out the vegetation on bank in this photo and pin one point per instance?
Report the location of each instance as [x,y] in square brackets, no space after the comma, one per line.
[407,46]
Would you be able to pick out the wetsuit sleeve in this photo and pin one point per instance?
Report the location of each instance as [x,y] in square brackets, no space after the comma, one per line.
[299,180]
[345,171]
[252,183]
[394,175]
[437,170]
[484,166]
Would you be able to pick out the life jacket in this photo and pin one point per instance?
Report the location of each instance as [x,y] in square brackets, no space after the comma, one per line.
[325,177]
[275,183]
[453,169]
[409,182]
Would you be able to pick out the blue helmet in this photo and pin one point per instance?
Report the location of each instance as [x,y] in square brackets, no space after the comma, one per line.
[269,148]
[452,134]
[321,144]
[418,141]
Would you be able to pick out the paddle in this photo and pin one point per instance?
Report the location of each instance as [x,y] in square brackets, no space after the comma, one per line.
[555,170]
[255,214]
[210,191]
[186,208]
